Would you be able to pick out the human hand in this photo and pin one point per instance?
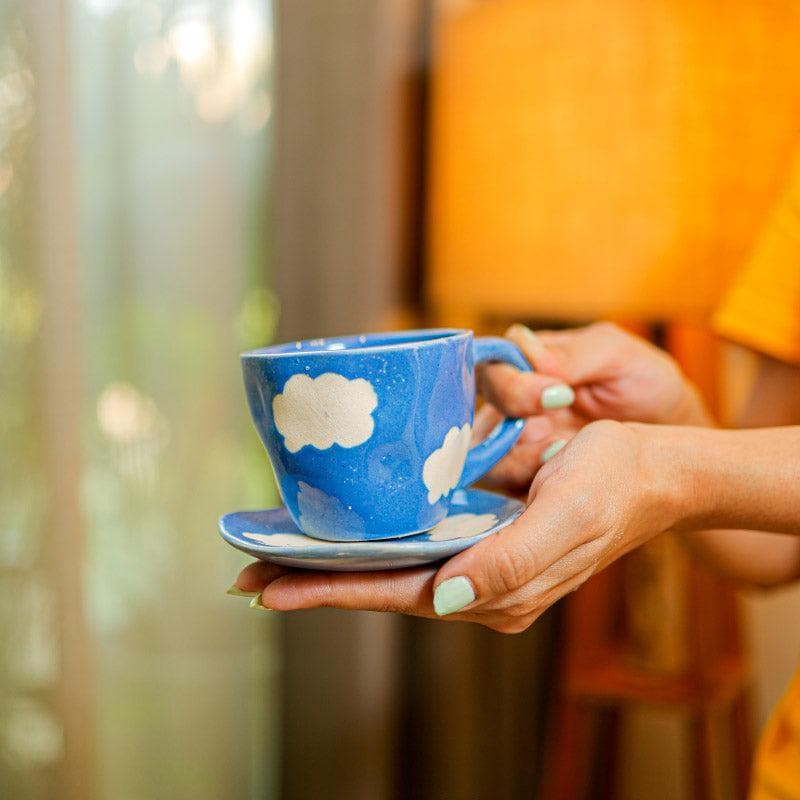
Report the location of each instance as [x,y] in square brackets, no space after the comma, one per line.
[583,374]
[603,495]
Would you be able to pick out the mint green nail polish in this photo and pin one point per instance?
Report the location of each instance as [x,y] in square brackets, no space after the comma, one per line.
[256,603]
[558,396]
[452,595]
[554,448]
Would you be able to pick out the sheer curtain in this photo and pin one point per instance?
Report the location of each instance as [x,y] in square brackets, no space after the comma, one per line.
[133,169]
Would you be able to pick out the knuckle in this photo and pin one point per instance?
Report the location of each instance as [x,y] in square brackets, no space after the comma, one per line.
[393,600]
[507,570]
[517,610]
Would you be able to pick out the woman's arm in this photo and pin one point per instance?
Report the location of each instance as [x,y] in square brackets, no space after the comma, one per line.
[754,558]
[746,479]
[618,376]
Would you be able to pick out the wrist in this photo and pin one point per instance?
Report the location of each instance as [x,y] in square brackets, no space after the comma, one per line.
[700,479]
[671,477]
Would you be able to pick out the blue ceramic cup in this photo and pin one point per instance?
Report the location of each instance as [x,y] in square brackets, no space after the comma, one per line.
[369,435]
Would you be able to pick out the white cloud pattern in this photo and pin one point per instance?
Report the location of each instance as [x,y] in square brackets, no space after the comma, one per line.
[324,411]
[444,465]
[282,539]
[460,526]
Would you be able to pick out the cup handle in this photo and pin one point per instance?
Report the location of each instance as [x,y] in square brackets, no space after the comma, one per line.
[482,457]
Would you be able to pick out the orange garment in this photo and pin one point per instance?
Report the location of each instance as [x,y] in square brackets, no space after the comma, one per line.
[776,771]
[762,311]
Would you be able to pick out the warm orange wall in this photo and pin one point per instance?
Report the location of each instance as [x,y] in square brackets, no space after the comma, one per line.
[615,157]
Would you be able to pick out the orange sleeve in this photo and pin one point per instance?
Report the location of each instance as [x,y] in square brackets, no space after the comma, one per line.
[762,307]
[776,767]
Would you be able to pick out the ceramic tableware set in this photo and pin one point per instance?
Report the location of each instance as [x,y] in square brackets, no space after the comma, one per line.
[369,438]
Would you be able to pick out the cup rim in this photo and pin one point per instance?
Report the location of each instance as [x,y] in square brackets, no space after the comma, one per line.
[424,337]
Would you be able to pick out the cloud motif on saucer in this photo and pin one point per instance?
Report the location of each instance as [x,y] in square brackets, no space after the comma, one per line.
[461,526]
[444,465]
[282,539]
[324,411]
[321,514]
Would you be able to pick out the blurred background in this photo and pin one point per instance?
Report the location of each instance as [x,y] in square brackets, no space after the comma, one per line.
[181,180]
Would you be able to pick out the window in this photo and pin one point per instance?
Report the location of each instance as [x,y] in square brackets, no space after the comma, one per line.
[169,107]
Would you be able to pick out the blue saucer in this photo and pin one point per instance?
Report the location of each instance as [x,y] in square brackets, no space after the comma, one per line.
[272,535]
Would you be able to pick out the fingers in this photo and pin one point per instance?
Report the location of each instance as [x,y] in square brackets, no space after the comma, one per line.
[515,472]
[520,614]
[510,559]
[409,591]
[505,582]
[404,591]
[566,362]
[588,354]
[254,577]
[522,394]
[564,575]
[401,591]
[486,418]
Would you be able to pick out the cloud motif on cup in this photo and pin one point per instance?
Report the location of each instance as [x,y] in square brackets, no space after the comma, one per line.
[323,515]
[443,467]
[320,412]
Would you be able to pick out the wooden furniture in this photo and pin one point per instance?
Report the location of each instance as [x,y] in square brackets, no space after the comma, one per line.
[701,666]
[614,159]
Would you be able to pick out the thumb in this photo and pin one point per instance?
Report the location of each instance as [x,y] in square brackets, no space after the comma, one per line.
[502,562]
[539,355]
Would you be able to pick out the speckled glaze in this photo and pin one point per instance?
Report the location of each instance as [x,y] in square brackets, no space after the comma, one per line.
[271,535]
[368,435]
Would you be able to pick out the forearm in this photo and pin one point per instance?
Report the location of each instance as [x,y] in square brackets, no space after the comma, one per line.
[753,558]
[720,479]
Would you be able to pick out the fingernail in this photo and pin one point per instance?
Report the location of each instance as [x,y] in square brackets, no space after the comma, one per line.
[235,591]
[452,595]
[554,448]
[256,603]
[558,396]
